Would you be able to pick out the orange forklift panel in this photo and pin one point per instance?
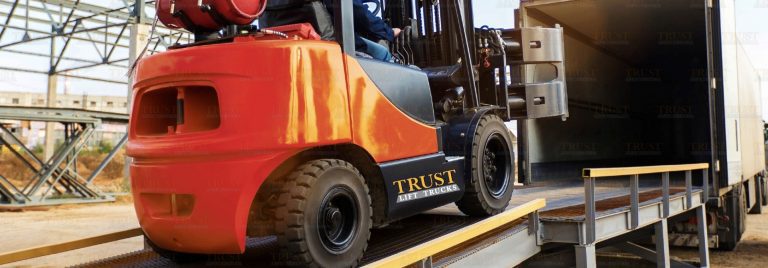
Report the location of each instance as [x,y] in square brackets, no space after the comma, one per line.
[211,123]
[271,94]
[379,126]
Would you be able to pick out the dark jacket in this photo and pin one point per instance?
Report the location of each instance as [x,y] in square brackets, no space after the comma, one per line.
[367,25]
[370,26]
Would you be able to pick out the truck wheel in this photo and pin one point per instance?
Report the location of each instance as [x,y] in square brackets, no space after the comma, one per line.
[323,217]
[176,257]
[759,196]
[764,190]
[736,210]
[743,213]
[492,175]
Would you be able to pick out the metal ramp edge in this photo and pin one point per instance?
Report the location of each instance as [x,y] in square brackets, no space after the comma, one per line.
[423,255]
[588,229]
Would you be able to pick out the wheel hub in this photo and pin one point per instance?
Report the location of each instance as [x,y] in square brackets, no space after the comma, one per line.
[334,220]
[496,165]
[337,219]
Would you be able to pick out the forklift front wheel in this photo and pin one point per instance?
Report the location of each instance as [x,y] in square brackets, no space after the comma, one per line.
[492,175]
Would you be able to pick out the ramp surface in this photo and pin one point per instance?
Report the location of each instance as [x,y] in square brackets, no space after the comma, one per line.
[565,202]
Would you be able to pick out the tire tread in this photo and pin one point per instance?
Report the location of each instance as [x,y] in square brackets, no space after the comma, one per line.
[473,203]
[289,222]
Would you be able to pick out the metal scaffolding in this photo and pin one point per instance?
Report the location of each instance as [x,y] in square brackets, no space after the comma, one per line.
[85,40]
[65,23]
[55,180]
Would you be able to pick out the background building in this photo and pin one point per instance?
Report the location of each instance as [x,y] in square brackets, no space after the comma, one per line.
[112,104]
[32,134]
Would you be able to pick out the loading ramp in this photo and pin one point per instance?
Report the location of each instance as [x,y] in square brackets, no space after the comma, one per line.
[539,216]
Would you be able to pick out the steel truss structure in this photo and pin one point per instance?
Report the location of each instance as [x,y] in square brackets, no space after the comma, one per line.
[55,181]
[87,40]
[106,29]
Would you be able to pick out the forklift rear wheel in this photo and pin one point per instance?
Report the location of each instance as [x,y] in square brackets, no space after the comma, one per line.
[492,177]
[323,216]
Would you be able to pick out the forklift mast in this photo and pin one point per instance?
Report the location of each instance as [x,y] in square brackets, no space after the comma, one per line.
[520,71]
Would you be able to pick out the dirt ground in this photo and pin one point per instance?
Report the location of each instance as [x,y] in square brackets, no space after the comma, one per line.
[34,228]
[110,180]
[27,229]
[751,252]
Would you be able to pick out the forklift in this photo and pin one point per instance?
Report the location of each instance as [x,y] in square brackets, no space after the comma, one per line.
[273,130]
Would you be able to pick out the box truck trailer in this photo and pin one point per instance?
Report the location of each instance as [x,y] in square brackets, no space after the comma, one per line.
[653,82]
[648,82]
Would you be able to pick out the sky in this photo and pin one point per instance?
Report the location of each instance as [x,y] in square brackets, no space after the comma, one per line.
[752,22]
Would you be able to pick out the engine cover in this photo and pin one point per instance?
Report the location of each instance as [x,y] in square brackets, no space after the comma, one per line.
[212,15]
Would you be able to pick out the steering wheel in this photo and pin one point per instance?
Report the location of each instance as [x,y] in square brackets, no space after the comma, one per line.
[375,2]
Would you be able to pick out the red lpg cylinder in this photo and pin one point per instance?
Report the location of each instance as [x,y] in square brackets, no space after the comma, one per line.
[212,15]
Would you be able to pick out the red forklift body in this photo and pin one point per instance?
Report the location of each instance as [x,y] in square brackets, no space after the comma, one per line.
[267,130]
[211,123]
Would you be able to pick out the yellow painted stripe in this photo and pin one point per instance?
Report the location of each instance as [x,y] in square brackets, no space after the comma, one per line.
[450,240]
[46,250]
[627,171]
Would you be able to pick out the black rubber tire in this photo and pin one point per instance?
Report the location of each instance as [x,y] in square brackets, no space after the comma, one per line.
[736,204]
[743,215]
[759,197]
[477,199]
[261,216]
[298,215]
[176,257]
[764,184]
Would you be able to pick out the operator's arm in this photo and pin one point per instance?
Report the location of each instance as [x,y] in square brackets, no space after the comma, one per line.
[369,25]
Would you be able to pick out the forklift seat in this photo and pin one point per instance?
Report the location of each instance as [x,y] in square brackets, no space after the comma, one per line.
[286,12]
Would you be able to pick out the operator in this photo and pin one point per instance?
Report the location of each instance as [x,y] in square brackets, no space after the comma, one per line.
[369,29]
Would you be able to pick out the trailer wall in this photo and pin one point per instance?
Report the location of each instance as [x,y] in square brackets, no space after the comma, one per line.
[749,139]
[639,75]
[637,85]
